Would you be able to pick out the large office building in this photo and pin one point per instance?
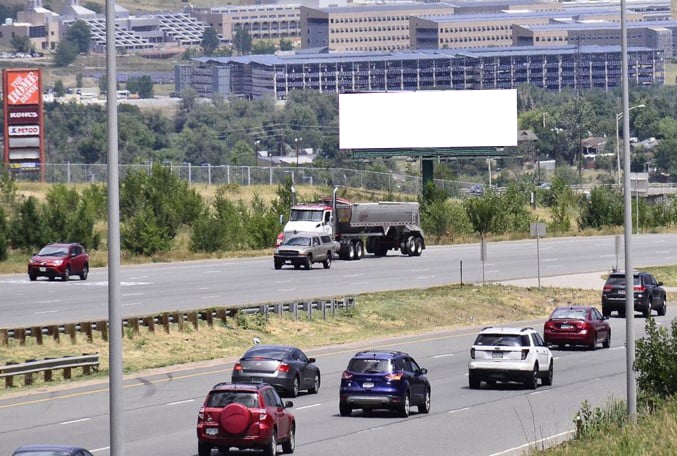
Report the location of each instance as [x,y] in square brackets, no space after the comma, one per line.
[553,68]
[261,22]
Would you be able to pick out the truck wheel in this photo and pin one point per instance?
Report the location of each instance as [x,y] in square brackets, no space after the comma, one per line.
[278,263]
[309,262]
[359,250]
[411,245]
[351,251]
[418,246]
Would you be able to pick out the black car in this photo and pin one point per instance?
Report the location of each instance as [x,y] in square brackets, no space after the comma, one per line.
[389,380]
[649,294]
[286,368]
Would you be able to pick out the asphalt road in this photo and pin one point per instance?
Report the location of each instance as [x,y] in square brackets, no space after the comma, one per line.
[147,289]
[160,409]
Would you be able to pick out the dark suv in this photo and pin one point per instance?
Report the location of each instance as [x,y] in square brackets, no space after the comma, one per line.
[246,416]
[648,294]
[384,380]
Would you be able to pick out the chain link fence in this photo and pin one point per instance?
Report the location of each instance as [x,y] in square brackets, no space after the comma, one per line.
[78,173]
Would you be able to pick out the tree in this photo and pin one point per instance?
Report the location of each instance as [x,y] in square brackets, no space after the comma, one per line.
[286,44]
[143,86]
[59,89]
[242,41]
[4,235]
[210,41]
[65,54]
[263,47]
[79,35]
[21,44]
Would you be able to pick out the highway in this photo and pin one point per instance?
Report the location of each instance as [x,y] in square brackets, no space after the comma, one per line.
[160,408]
[154,288]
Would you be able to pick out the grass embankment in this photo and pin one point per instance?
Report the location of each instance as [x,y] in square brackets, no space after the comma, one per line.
[375,315]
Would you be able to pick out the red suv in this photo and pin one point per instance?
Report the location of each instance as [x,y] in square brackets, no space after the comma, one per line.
[245,416]
[59,260]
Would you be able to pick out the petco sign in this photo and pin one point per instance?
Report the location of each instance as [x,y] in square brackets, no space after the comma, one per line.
[24,130]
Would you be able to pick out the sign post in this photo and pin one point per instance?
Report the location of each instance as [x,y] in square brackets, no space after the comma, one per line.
[538,231]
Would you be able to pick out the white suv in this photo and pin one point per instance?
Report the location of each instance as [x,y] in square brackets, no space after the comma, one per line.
[509,354]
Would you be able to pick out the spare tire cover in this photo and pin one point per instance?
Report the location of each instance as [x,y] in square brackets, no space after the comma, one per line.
[235,418]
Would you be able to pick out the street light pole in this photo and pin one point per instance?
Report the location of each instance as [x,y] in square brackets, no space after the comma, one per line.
[619,116]
[297,140]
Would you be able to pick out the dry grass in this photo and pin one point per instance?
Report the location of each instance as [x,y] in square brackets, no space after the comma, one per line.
[376,314]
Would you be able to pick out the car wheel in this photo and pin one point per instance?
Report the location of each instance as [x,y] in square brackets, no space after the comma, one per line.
[345,409]
[308,263]
[296,386]
[271,448]
[621,313]
[85,272]
[532,381]
[647,312]
[289,445]
[593,345]
[277,263]
[327,263]
[425,406]
[547,380]
[32,276]
[316,385]
[204,449]
[50,278]
[606,312]
[474,381]
[405,408]
[662,310]
[66,274]
[607,340]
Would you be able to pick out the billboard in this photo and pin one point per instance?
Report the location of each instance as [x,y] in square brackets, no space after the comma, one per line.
[428,119]
[23,120]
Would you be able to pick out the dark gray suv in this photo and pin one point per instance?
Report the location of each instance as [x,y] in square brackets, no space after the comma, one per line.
[649,294]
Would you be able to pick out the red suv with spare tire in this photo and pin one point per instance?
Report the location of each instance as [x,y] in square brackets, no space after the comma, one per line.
[245,416]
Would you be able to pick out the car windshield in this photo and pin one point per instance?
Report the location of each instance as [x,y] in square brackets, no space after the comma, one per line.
[272,353]
[619,280]
[503,340]
[298,215]
[53,250]
[370,366]
[569,314]
[223,398]
[298,240]
[43,453]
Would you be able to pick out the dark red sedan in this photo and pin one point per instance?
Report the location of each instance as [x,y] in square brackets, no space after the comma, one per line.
[577,325]
[59,260]
[245,416]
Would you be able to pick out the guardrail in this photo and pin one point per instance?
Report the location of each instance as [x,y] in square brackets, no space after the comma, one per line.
[165,320]
[88,363]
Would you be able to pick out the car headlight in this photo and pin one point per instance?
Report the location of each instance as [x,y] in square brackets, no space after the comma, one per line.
[58,262]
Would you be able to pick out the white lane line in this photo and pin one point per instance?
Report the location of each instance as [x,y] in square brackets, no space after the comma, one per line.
[286,289]
[181,402]
[549,260]
[75,421]
[129,304]
[420,270]
[209,297]
[308,406]
[533,443]
[622,347]
[45,312]
[277,282]
[132,294]
[138,277]
[348,276]
[98,450]
[370,429]
[49,301]
[458,410]
[444,355]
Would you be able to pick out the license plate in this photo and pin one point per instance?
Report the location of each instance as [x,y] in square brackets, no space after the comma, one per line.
[621,292]
[257,380]
[497,354]
[212,431]
[367,385]
[566,326]
[43,269]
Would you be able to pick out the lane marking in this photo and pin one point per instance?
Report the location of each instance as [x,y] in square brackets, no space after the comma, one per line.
[133,294]
[45,312]
[458,410]
[98,450]
[370,429]
[308,406]
[534,443]
[181,402]
[129,304]
[444,355]
[49,301]
[348,276]
[75,421]
[209,297]
[284,290]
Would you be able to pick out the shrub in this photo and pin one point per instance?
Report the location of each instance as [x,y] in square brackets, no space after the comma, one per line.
[4,235]
[589,421]
[28,230]
[656,362]
[604,208]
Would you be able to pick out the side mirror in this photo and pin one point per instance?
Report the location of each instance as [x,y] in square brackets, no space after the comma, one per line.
[660,284]
[423,371]
[311,360]
[605,317]
[288,404]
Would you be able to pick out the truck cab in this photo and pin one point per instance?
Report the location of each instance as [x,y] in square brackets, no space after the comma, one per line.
[308,218]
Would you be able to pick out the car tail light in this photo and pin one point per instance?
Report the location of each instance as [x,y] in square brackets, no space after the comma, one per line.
[472,352]
[608,288]
[394,376]
[549,325]
[263,414]
[525,352]
[201,415]
[284,367]
[237,367]
[639,288]
[347,375]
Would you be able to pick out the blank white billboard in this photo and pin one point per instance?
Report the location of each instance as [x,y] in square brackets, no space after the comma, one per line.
[428,119]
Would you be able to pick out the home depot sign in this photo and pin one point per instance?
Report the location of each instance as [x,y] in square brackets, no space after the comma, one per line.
[24,123]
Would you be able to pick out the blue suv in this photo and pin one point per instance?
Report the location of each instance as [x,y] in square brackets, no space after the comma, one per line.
[384,380]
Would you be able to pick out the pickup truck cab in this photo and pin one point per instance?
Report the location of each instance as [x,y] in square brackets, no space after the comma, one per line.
[304,249]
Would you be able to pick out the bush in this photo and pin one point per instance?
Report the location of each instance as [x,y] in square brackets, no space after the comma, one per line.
[143,235]
[4,235]
[604,208]
[656,363]
[28,229]
[589,421]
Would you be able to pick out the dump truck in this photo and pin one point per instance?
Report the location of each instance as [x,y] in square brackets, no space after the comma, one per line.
[358,227]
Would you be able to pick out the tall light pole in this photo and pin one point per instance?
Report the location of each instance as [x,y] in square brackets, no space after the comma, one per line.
[619,116]
[297,141]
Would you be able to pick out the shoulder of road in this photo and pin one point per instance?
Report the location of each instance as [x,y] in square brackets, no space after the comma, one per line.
[585,281]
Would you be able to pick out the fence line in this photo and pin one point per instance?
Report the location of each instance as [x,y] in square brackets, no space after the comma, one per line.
[87,362]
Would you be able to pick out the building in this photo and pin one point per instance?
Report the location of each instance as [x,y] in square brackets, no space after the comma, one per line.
[270,22]
[39,24]
[552,68]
